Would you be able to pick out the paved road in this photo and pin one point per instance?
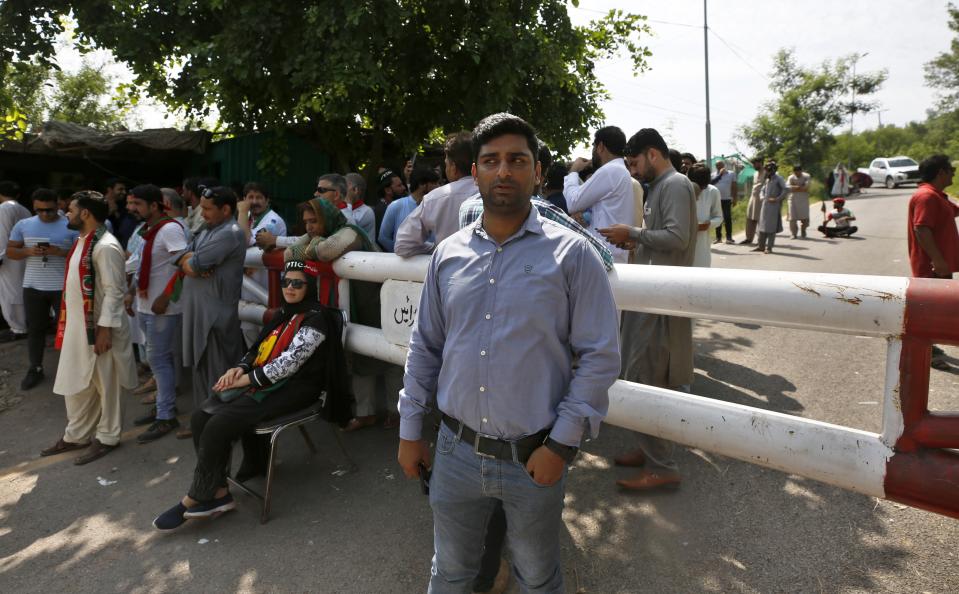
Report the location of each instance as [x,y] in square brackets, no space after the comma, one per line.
[732,527]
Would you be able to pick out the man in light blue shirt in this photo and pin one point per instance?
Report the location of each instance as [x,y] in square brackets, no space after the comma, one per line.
[43,240]
[508,302]
[422,182]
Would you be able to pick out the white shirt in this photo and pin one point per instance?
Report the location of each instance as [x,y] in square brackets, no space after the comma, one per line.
[269,221]
[609,192]
[168,244]
[361,216]
[438,213]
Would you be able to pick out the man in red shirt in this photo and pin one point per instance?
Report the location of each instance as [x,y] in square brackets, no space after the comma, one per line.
[933,238]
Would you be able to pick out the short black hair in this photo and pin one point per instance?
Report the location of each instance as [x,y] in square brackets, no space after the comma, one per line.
[202,182]
[10,189]
[699,175]
[555,175]
[544,157]
[689,156]
[613,138]
[675,159]
[221,196]
[93,202]
[421,176]
[43,195]
[500,124]
[192,184]
[459,150]
[646,138]
[148,193]
[255,187]
[112,181]
[930,167]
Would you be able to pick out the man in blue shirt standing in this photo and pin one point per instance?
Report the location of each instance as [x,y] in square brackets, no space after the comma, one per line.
[422,182]
[508,302]
[44,241]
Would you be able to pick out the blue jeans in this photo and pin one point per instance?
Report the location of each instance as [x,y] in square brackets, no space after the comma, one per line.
[160,332]
[463,493]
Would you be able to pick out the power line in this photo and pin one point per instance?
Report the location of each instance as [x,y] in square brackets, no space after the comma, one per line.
[648,20]
[737,54]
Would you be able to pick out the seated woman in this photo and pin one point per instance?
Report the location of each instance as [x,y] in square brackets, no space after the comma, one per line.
[329,236]
[297,356]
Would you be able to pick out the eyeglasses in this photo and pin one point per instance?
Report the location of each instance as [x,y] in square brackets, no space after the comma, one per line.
[323,190]
[293,282]
[45,210]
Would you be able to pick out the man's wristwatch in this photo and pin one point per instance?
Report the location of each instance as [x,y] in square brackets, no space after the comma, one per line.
[567,453]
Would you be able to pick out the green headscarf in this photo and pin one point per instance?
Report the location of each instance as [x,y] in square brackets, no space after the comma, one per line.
[332,220]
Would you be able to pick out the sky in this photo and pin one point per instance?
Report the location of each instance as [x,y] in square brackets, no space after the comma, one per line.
[900,36]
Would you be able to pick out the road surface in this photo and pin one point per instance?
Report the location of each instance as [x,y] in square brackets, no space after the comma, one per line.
[732,527]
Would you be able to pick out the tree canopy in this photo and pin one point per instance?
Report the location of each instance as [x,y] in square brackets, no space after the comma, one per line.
[354,75]
[797,126]
[943,71]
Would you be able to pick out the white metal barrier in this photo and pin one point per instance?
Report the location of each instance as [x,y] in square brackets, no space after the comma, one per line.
[849,304]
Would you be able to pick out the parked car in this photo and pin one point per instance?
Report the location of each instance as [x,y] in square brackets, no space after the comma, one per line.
[892,171]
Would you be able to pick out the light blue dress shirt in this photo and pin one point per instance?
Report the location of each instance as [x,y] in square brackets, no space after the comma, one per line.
[497,331]
[396,213]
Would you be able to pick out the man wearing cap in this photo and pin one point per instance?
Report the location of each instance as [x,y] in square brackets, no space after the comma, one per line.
[842,216]
[163,242]
[798,201]
[511,297]
[657,350]
[391,188]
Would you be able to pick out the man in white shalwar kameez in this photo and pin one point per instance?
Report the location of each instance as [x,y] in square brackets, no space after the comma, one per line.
[11,271]
[96,361]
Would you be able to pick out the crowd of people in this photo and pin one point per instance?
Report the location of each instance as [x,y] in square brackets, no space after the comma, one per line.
[517,288]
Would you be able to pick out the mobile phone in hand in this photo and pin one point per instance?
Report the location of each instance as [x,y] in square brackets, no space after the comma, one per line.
[425,474]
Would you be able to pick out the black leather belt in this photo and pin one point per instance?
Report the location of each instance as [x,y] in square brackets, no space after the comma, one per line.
[489,446]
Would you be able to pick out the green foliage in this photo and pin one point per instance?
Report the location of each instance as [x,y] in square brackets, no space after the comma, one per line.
[943,71]
[797,126]
[33,92]
[360,78]
[939,133]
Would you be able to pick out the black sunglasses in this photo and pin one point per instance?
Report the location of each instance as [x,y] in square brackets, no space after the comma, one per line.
[293,282]
[45,209]
[323,190]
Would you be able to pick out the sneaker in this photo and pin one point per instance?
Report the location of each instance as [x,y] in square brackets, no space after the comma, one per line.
[171,519]
[34,376]
[730,242]
[157,430]
[211,508]
[715,241]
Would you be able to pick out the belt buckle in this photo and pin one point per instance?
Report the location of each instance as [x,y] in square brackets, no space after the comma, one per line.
[476,444]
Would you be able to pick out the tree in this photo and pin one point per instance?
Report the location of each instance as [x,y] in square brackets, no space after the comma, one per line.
[797,126]
[33,93]
[943,72]
[355,76]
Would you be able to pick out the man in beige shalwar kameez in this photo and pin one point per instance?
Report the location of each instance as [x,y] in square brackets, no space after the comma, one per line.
[96,359]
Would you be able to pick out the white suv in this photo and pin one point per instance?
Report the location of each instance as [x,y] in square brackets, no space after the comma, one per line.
[893,171]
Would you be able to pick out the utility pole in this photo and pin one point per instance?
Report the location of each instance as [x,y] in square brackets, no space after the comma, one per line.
[709,132]
[852,107]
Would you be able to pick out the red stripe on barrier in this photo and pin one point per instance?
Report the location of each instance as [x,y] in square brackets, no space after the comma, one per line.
[927,479]
[932,310]
[919,474]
